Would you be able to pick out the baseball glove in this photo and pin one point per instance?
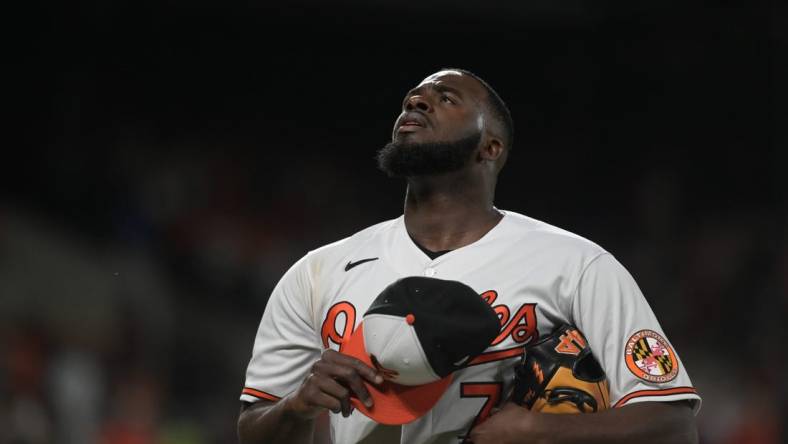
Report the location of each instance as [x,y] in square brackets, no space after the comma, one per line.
[558,374]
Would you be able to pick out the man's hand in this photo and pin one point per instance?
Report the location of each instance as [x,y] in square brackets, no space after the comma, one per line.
[503,426]
[334,378]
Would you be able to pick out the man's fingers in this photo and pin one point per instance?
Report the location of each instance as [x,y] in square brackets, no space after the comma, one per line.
[347,376]
[350,377]
[350,372]
[366,372]
[327,401]
[335,389]
[346,407]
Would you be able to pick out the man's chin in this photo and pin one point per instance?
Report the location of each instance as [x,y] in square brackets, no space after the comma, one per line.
[406,157]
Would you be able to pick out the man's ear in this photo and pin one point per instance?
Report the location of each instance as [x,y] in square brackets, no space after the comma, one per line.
[495,152]
[492,150]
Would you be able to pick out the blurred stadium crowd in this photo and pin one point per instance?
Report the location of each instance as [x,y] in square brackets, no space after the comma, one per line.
[169,179]
[141,334]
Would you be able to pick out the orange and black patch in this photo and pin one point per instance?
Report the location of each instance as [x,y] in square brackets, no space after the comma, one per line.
[649,357]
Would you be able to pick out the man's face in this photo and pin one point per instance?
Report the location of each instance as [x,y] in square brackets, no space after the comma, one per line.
[439,128]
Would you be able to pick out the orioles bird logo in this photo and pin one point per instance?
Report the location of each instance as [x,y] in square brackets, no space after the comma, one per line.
[387,373]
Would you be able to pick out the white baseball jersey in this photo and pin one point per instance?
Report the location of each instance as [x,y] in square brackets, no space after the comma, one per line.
[534,275]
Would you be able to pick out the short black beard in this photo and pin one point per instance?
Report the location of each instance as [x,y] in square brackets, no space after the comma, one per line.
[400,159]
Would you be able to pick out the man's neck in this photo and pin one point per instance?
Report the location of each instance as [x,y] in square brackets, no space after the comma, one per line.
[449,211]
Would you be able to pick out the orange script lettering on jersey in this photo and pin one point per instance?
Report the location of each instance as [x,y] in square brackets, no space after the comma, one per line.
[329,331]
[521,327]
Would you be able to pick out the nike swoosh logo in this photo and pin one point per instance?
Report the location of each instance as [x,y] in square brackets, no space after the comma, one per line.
[353,264]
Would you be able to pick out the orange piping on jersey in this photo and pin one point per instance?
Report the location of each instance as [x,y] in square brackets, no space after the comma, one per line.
[665,392]
[497,355]
[260,394]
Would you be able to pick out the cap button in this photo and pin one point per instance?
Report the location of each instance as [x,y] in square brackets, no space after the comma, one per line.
[410,319]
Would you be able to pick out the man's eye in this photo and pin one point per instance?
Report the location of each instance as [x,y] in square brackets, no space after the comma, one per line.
[447,99]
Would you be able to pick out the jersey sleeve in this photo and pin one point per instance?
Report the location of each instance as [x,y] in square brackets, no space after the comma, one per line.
[624,334]
[286,344]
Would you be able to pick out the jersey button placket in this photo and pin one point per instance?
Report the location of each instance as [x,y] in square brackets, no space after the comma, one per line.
[429,272]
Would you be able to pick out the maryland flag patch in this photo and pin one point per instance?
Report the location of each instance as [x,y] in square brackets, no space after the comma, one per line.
[649,357]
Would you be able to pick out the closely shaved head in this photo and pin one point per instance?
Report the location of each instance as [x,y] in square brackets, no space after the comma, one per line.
[497,108]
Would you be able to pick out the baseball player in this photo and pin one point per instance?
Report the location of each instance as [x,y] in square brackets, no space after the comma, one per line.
[450,142]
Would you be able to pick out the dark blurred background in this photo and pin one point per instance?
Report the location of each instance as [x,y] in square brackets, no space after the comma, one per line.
[166,162]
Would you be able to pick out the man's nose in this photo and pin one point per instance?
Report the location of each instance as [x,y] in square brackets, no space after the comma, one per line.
[418,102]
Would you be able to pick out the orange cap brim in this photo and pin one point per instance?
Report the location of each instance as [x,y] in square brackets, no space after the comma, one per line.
[394,404]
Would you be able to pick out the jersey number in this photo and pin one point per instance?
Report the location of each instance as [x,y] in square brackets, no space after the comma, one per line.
[489,390]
